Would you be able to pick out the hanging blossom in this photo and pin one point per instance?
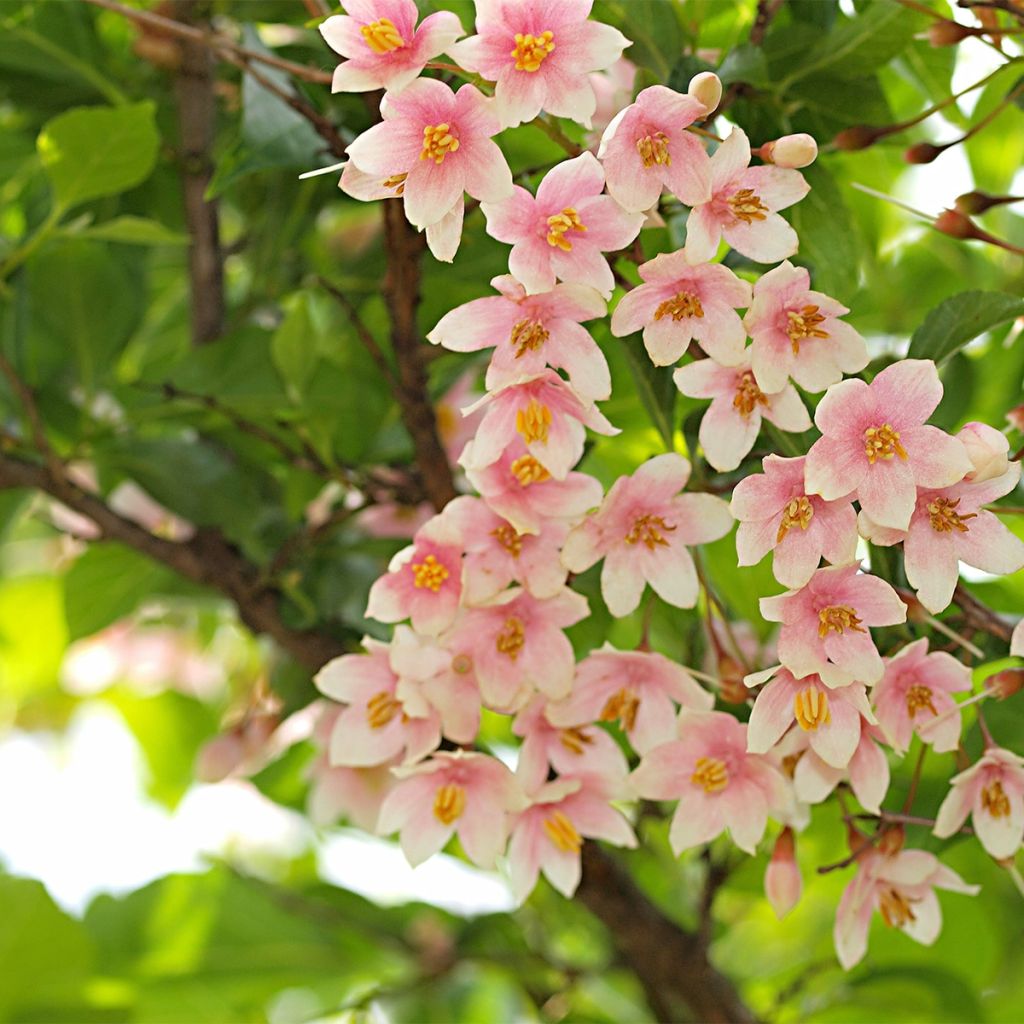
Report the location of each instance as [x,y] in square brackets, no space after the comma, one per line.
[539,54]
[783,884]
[613,88]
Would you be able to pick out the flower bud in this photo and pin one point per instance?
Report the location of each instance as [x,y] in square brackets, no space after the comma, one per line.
[922,153]
[1006,683]
[730,672]
[790,151]
[955,224]
[978,202]
[892,840]
[219,757]
[988,450]
[782,882]
[947,33]
[1015,417]
[707,88]
[860,136]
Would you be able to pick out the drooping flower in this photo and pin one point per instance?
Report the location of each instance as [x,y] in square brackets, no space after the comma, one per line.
[466,793]
[613,88]
[529,332]
[680,301]
[875,441]
[868,771]
[782,882]
[563,232]
[730,427]
[743,206]
[825,625]
[539,54]
[915,695]
[647,148]
[637,689]
[717,782]
[991,791]
[455,427]
[642,530]
[776,514]
[384,46]
[441,142]
[797,333]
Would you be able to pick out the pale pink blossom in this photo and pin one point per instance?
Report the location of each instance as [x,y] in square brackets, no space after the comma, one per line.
[613,89]
[646,148]
[392,520]
[875,442]
[732,422]
[384,46]
[868,771]
[638,689]
[915,695]
[642,531]
[441,141]
[539,54]
[470,794]
[776,514]
[743,206]
[529,332]
[825,625]
[991,791]
[549,834]
[563,233]
[783,884]
[901,887]
[456,427]
[679,301]
[987,448]
[717,782]
[797,333]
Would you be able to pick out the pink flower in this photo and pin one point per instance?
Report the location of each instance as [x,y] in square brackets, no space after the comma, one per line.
[915,695]
[679,301]
[423,582]
[875,443]
[824,625]
[647,148]
[642,530]
[776,514]
[782,882]
[455,427]
[529,332]
[539,53]
[901,887]
[991,791]
[393,520]
[743,206]
[465,793]
[521,490]
[545,414]
[518,645]
[441,141]
[814,779]
[614,90]
[385,49]
[797,333]
[733,421]
[949,526]
[564,230]
[637,689]
[718,784]
[549,834]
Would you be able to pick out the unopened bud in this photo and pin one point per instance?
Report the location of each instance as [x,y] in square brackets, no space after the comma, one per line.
[730,672]
[955,224]
[782,882]
[1006,683]
[976,202]
[947,33]
[892,840]
[1015,417]
[988,450]
[860,136]
[707,88]
[790,151]
[922,153]
[219,757]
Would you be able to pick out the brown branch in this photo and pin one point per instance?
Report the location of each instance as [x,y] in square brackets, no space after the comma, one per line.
[766,11]
[980,616]
[35,422]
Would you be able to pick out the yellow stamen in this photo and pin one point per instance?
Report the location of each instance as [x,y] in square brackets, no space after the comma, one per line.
[810,708]
[895,908]
[648,529]
[382,37]
[533,422]
[449,803]
[528,336]
[511,638]
[527,470]
[682,304]
[882,443]
[748,395]
[397,182]
[438,142]
[559,224]
[562,833]
[919,697]
[381,708]
[836,619]
[531,51]
[710,774]
[653,149]
[804,324]
[747,206]
[509,538]
[623,706]
[575,739]
[429,574]
[995,801]
[798,512]
[944,517]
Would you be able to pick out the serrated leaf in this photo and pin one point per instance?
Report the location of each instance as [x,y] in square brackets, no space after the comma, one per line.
[134,231]
[960,319]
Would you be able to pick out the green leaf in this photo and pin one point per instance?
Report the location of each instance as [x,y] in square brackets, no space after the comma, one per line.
[134,231]
[746,64]
[960,319]
[655,387]
[90,152]
[293,345]
[32,635]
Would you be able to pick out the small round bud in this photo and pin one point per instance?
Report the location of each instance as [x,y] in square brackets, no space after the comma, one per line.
[975,202]
[782,882]
[988,450]
[707,88]
[860,136]
[947,33]
[922,153]
[1015,417]
[1006,683]
[955,224]
[790,151]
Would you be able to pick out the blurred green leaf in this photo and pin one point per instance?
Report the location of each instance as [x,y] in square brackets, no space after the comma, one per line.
[959,320]
[133,231]
[294,345]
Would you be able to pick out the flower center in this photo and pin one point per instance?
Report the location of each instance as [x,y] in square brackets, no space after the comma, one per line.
[622,705]
[533,422]
[710,774]
[438,142]
[531,51]
[528,336]
[748,395]
[944,517]
[559,224]
[798,512]
[746,206]
[895,908]
[382,37]
[810,708]
[397,182]
[449,803]
[648,530]
[381,708]
[511,638]
[429,574]
[804,324]
[509,538]
[882,443]
[919,697]
[653,149]
[527,470]
[681,305]
[562,833]
[995,801]
[836,618]
[575,739]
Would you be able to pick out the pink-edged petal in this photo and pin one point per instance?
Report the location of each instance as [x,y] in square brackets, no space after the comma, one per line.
[931,565]
[726,435]
[988,545]
[887,493]
[833,468]
[697,820]
[910,388]
[936,458]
